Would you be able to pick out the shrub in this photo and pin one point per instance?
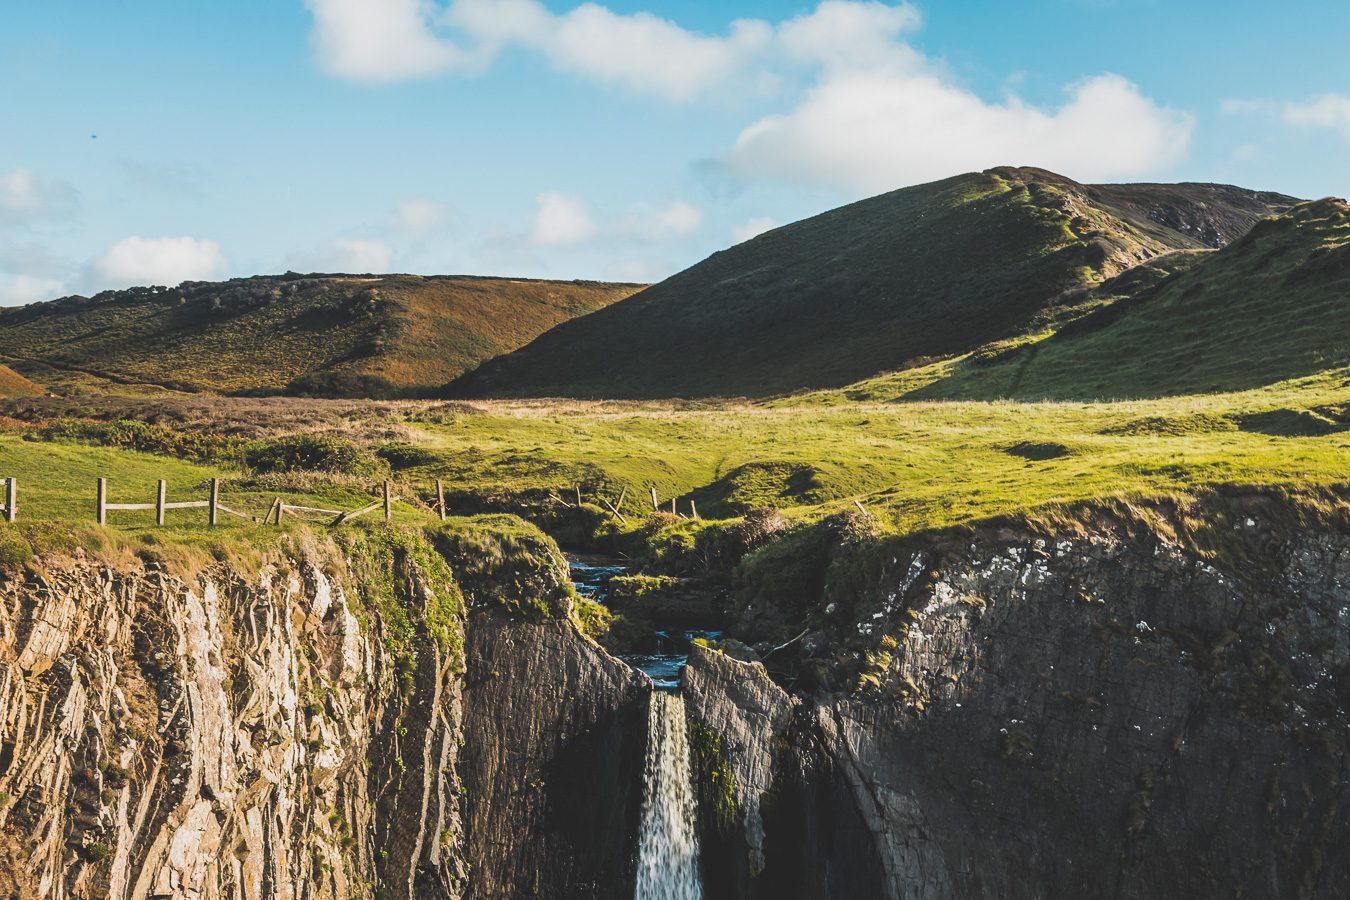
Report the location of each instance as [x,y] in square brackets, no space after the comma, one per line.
[594,618]
[311,453]
[144,437]
[97,852]
[343,385]
[406,456]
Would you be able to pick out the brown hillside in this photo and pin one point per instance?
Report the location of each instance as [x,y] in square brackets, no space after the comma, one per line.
[12,384]
[323,335]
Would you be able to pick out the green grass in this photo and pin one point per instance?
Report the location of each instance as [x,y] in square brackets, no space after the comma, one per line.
[57,482]
[1272,306]
[918,465]
[914,465]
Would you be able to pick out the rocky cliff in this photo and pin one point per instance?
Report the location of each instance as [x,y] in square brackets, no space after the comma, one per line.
[1144,702]
[325,721]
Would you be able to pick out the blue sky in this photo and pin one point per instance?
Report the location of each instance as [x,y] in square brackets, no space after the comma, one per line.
[147,142]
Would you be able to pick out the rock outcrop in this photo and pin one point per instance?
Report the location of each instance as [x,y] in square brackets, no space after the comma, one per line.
[331,722]
[1126,710]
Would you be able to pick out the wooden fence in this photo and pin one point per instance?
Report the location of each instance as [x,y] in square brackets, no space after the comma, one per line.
[279,507]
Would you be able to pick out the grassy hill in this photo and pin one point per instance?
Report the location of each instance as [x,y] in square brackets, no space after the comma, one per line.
[924,272]
[327,335]
[12,384]
[1274,305]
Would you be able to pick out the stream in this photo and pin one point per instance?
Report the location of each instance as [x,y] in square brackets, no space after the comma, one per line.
[666,658]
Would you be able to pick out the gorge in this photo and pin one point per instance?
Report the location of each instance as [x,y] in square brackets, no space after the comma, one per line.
[1046,709]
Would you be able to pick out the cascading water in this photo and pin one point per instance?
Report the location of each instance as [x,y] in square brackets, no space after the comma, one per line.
[668,842]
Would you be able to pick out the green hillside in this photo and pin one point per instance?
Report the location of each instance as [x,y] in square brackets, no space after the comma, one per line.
[924,272]
[326,335]
[1272,306]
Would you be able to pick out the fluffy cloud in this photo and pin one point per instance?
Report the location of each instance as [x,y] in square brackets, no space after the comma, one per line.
[381,40]
[16,289]
[873,130]
[390,40]
[418,218]
[169,260]
[678,220]
[25,197]
[752,228]
[561,220]
[876,113]
[1327,111]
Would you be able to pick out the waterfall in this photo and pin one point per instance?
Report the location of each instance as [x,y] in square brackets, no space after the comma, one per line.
[668,842]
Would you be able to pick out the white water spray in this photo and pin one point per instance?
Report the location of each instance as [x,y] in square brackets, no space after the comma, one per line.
[668,843]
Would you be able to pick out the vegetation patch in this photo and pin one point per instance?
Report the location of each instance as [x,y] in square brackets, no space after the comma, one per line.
[399,576]
[1037,451]
[312,453]
[1290,423]
[143,437]
[763,484]
[506,563]
[1173,426]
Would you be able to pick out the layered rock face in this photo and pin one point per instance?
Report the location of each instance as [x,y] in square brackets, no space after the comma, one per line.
[325,726]
[1109,714]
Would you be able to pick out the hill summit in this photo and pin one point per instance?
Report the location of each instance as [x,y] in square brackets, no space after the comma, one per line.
[923,272]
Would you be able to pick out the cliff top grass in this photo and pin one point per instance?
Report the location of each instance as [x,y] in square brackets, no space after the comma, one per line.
[914,466]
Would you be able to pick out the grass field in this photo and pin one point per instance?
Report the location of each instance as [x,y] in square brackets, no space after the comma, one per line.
[915,465]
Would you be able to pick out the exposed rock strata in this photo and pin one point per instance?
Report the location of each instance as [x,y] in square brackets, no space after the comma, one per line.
[1112,714]
[298,731]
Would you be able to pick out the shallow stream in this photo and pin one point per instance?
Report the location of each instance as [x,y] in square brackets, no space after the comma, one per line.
[591,577]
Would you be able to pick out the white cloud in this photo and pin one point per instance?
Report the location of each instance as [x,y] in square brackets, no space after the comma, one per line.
[16,289]
[845,34]
[752,228]
[391,40]
[1327,111]
[678,220]
[561,220]
[19,192]
[643,52]
[877,114]
[25,197]
[419,218]
[382,40]
[883,128]
[169,260]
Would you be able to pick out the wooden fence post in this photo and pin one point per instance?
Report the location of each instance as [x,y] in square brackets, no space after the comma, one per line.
[213,509]
[159,503]
[673,510]
[655,505]
[388,503]
[693,507]
[101,503]
[578,496]
[440,497]
[11,499]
